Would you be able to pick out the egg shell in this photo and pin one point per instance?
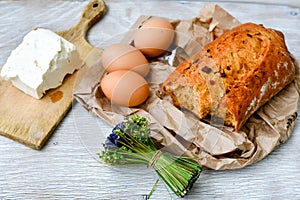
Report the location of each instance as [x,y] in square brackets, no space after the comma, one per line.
[125,88]
[154,37]
[124,57]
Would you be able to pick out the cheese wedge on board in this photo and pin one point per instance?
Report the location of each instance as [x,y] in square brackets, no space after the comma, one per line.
[31,121]
[41,62]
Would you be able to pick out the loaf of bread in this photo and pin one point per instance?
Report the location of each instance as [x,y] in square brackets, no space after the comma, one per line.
[234,75]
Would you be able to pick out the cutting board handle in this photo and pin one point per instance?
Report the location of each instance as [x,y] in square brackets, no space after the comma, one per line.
[92,13]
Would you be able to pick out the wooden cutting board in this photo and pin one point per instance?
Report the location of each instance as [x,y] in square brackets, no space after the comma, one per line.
[31,121]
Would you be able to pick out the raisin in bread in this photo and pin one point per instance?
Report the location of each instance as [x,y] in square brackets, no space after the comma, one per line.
[234,75]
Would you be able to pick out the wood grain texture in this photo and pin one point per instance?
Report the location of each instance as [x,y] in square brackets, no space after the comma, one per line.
[65,169]
[31,121]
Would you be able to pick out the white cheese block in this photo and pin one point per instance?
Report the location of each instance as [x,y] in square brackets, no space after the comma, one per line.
[41,62]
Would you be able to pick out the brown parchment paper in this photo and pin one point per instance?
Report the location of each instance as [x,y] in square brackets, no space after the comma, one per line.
[179,131]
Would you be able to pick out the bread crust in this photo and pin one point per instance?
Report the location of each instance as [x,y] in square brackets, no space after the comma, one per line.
[234,75]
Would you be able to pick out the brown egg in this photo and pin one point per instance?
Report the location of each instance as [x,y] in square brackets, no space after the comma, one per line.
[154,37]
[125,88]
[124,57]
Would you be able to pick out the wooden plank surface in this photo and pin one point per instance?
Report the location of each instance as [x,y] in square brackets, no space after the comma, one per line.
[65,169]
[31,121]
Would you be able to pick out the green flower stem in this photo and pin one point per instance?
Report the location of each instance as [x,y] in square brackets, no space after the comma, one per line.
[178,172]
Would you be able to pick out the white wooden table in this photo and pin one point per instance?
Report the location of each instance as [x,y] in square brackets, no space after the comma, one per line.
[65,169]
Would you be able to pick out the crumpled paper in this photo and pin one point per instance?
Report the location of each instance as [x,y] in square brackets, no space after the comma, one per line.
[180,132]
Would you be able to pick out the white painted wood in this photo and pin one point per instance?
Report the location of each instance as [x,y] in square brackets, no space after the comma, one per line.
[295,3]
[65,169]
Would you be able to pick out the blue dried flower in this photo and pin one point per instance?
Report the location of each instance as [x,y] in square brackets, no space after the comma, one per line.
[109,145]
[113,138]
